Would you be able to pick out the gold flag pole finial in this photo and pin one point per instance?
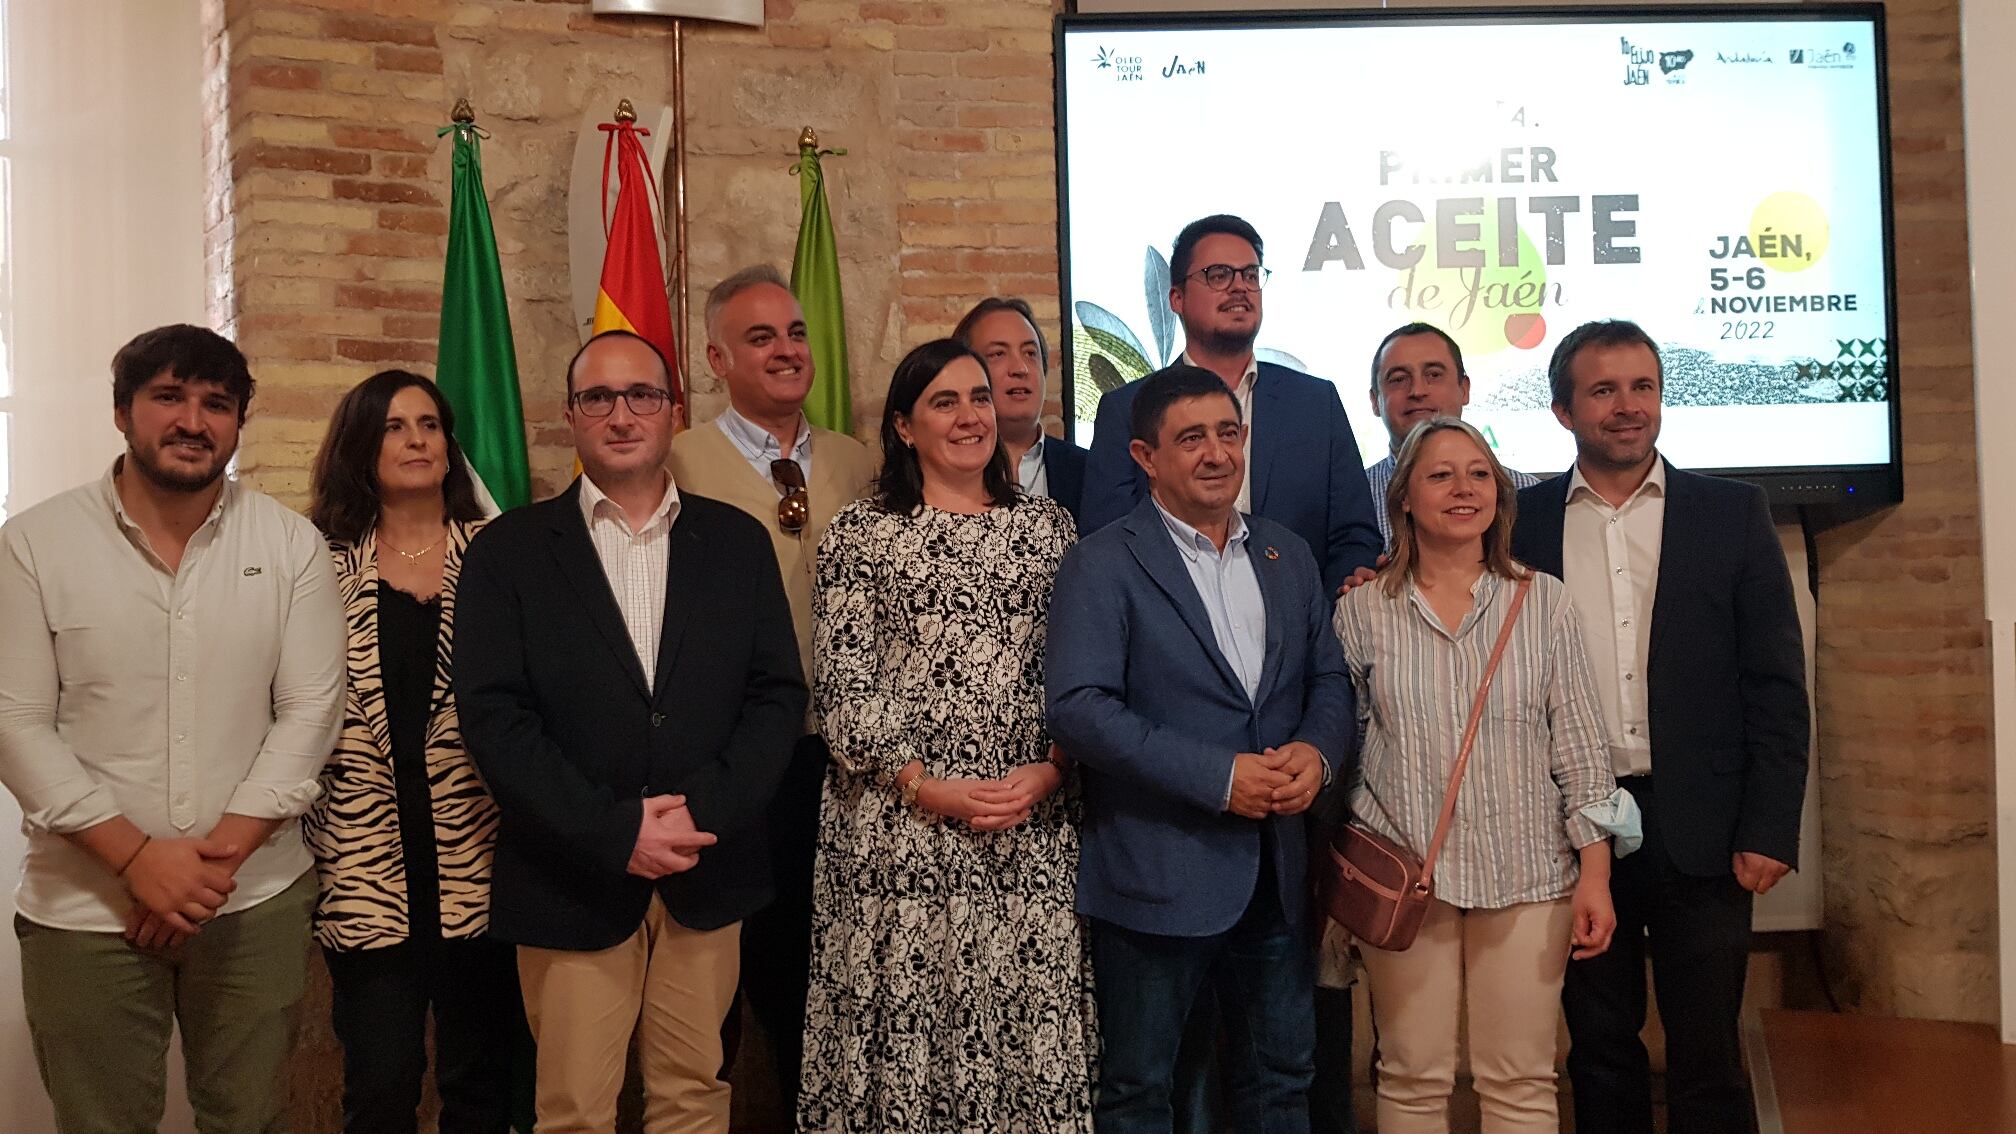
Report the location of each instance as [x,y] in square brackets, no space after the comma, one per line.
[463,112]
[808,138]
[624,111]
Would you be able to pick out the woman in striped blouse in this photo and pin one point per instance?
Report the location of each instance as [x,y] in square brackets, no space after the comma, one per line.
[1525,874]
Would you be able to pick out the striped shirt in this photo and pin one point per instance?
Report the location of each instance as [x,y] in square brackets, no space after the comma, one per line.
[635,562]
[1379,476]
[1539,760]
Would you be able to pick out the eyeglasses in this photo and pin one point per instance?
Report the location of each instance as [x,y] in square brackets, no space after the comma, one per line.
[600,401]
[794,508]
[1218,277]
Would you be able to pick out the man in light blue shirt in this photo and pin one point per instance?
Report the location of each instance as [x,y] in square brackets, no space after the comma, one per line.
[1417,374]
[1192,674]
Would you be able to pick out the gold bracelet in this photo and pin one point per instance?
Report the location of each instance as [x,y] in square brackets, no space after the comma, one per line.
[909,791]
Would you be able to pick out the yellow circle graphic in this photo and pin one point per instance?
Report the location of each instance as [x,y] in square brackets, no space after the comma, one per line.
[1789,232]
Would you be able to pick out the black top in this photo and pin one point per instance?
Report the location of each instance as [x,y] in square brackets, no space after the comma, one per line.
[407,632]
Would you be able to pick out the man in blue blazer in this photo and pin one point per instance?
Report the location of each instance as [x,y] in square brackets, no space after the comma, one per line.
[1688,621]
[1193,675]
[1305,471]
[1003,332]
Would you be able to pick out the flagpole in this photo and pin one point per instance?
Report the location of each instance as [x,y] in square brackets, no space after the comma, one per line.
[678,179]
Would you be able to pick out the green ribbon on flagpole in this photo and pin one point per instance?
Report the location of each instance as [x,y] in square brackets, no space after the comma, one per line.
[815,280]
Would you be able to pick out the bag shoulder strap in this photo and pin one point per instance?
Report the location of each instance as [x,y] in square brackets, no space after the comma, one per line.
[1470,733]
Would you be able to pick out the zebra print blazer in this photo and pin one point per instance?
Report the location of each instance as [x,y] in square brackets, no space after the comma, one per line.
[353,828]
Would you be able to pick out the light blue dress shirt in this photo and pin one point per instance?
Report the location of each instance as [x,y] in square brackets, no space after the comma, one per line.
[1231,594]
[759,446]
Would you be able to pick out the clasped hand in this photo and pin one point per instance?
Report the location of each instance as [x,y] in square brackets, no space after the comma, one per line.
[991,805]
[667,840]
[1278,781]
[177,885]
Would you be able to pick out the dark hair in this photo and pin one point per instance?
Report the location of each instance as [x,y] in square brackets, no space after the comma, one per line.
[345,500]
[1165,388]
[1222,224]
[191,353]
[670,385]
[900,486]
[1601,333]
[988,306]
[1411,329]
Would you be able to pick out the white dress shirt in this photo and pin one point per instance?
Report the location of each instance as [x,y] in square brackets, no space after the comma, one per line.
[635,560]
[1610,561]
[168,697]
[1031,472]
[1243,392]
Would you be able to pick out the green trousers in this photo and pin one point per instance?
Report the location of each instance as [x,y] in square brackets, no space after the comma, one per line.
[100,1013]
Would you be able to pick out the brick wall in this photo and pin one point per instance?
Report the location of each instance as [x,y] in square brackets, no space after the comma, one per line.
[329,186]
[1907,787]
[325,242]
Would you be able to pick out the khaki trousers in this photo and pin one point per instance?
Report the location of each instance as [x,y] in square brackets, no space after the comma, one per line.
[670,984]
[1503,970]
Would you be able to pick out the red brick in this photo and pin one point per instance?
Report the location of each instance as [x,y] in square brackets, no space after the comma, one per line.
[981,115]
[285,77]
[1001,64]
[895,13]
[433,222]
[363,28]
[788,36]
[424,60]
[398,245]
[959,141]
[385,350]
[399,165]
[940,39]
[383,192]
[401,298]
[413,326]
[263,156]
[996,260]
[381,138]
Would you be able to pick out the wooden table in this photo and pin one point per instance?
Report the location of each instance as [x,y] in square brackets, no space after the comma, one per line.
[1823,1073]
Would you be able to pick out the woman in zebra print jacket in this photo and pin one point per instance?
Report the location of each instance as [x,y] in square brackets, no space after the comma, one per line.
[404,830]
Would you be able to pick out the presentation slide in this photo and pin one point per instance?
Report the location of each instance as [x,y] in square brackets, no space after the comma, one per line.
[1717,181]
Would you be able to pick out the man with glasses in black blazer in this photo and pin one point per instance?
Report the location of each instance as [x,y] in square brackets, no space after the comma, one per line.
[630,689]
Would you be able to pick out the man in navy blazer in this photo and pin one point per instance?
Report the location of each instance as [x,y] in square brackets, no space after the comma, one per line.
[1305,471]
[1193,676]
[1003,332]
[1688,620]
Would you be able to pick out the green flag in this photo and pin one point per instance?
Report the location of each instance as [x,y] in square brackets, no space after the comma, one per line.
[815,279]
[477,367]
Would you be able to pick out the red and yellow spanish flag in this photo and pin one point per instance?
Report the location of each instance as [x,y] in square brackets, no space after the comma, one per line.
[632,296]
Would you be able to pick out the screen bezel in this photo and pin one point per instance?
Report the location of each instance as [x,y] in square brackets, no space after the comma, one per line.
[1819,484]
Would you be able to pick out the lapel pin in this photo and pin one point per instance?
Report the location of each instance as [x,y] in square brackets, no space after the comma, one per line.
[1273,554]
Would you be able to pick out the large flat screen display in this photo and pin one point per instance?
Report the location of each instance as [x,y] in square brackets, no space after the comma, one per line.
[1717,175]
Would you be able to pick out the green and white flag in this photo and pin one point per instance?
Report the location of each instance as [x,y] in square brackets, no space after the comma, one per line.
[477,366]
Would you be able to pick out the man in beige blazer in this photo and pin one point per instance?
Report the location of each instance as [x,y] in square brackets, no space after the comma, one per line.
[762,456]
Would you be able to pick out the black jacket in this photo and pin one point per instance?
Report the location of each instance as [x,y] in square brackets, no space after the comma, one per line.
[1726,666]
[569,738]
[1064,464]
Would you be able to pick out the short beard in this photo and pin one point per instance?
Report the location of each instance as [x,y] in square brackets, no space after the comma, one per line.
[1226,342]
[171,482]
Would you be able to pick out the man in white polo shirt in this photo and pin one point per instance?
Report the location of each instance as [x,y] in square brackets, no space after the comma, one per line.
[171,671]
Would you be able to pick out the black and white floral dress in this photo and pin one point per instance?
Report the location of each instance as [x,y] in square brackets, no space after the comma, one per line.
[950,985]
